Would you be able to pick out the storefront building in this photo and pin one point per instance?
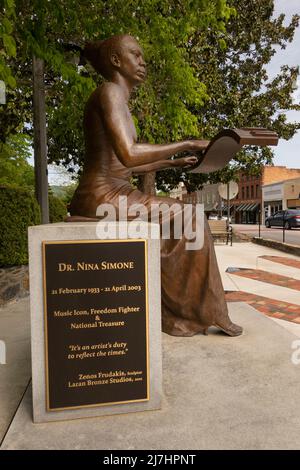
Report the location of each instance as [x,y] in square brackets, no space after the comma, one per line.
[280,196]
[250,205]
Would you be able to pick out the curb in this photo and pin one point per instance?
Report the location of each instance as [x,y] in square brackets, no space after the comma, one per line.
[240,237]
[14,283]
[287,248]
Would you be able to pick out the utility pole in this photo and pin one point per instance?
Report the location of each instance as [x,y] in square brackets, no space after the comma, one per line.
[40,139]
[228,202]
[220,208]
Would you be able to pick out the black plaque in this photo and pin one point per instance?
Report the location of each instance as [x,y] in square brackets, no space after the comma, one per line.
[96,323]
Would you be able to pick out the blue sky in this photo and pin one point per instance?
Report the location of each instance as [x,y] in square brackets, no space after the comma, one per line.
[287,153]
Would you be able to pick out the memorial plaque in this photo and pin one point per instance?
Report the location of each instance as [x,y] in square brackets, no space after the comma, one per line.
[96,323]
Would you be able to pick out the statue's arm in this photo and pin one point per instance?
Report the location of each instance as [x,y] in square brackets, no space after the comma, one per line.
[130,153]
[164,164]
[160,165]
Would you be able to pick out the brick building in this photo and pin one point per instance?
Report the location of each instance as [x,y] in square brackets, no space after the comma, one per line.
[246,207]
[248,203]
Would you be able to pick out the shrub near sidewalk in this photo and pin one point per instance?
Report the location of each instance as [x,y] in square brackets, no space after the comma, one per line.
[57,209]
[18,210]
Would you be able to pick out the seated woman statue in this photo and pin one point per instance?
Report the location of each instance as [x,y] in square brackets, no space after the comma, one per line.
[192,293]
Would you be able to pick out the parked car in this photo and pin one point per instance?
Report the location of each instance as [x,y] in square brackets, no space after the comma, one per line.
[289,219]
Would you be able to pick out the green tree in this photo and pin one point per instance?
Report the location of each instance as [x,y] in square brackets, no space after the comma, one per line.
[232,65]
[164,107]
[14,167]
[7,41]
[206,71]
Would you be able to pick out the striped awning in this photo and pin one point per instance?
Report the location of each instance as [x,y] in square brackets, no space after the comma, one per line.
[248,206]
[224,208]
[240,207]
[251,206]
[255,206]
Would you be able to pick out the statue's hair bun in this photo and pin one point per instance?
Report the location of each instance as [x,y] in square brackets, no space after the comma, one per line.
[91,52]
[98,53]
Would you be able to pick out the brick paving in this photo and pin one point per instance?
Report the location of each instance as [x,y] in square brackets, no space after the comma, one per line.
[294,263]
[265,276]
[267,306]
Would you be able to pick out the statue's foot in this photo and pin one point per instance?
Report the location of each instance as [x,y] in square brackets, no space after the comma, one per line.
[232,329]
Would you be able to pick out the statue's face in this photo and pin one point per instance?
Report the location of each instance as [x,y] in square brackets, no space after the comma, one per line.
[131,63]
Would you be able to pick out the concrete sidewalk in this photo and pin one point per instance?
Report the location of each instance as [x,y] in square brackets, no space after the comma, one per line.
[249,255]
[16,373]
[241,390]
[219,393]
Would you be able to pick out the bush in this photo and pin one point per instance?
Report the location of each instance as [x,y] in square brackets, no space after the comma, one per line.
[18,210]
[57,209]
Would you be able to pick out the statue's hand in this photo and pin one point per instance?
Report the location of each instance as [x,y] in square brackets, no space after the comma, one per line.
[198,145]
[185,161]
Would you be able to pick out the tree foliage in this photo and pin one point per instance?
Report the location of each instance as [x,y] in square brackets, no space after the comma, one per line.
[7,41]
[18,211]
[232,66]
[14,166]
[161,106]
[206,71]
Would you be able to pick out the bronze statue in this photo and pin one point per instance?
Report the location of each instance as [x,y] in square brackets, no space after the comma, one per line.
[192,292]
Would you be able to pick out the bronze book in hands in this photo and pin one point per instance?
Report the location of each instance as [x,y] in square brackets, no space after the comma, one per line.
[224,146]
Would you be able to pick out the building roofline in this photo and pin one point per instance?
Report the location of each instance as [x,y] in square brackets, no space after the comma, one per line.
[281,181]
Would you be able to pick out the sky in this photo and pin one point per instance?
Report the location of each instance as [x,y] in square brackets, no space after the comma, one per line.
[287,153]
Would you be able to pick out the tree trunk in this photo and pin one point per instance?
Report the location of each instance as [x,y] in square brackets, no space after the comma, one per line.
[147,183]
[40,139]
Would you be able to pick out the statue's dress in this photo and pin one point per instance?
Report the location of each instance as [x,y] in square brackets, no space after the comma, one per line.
[192,293]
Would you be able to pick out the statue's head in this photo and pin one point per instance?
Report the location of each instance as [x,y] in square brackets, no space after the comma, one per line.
[118,54]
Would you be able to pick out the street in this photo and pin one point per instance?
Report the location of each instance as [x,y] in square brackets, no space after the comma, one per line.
[275,233]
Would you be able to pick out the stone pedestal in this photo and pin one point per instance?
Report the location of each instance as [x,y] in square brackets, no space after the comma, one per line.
[97,281]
